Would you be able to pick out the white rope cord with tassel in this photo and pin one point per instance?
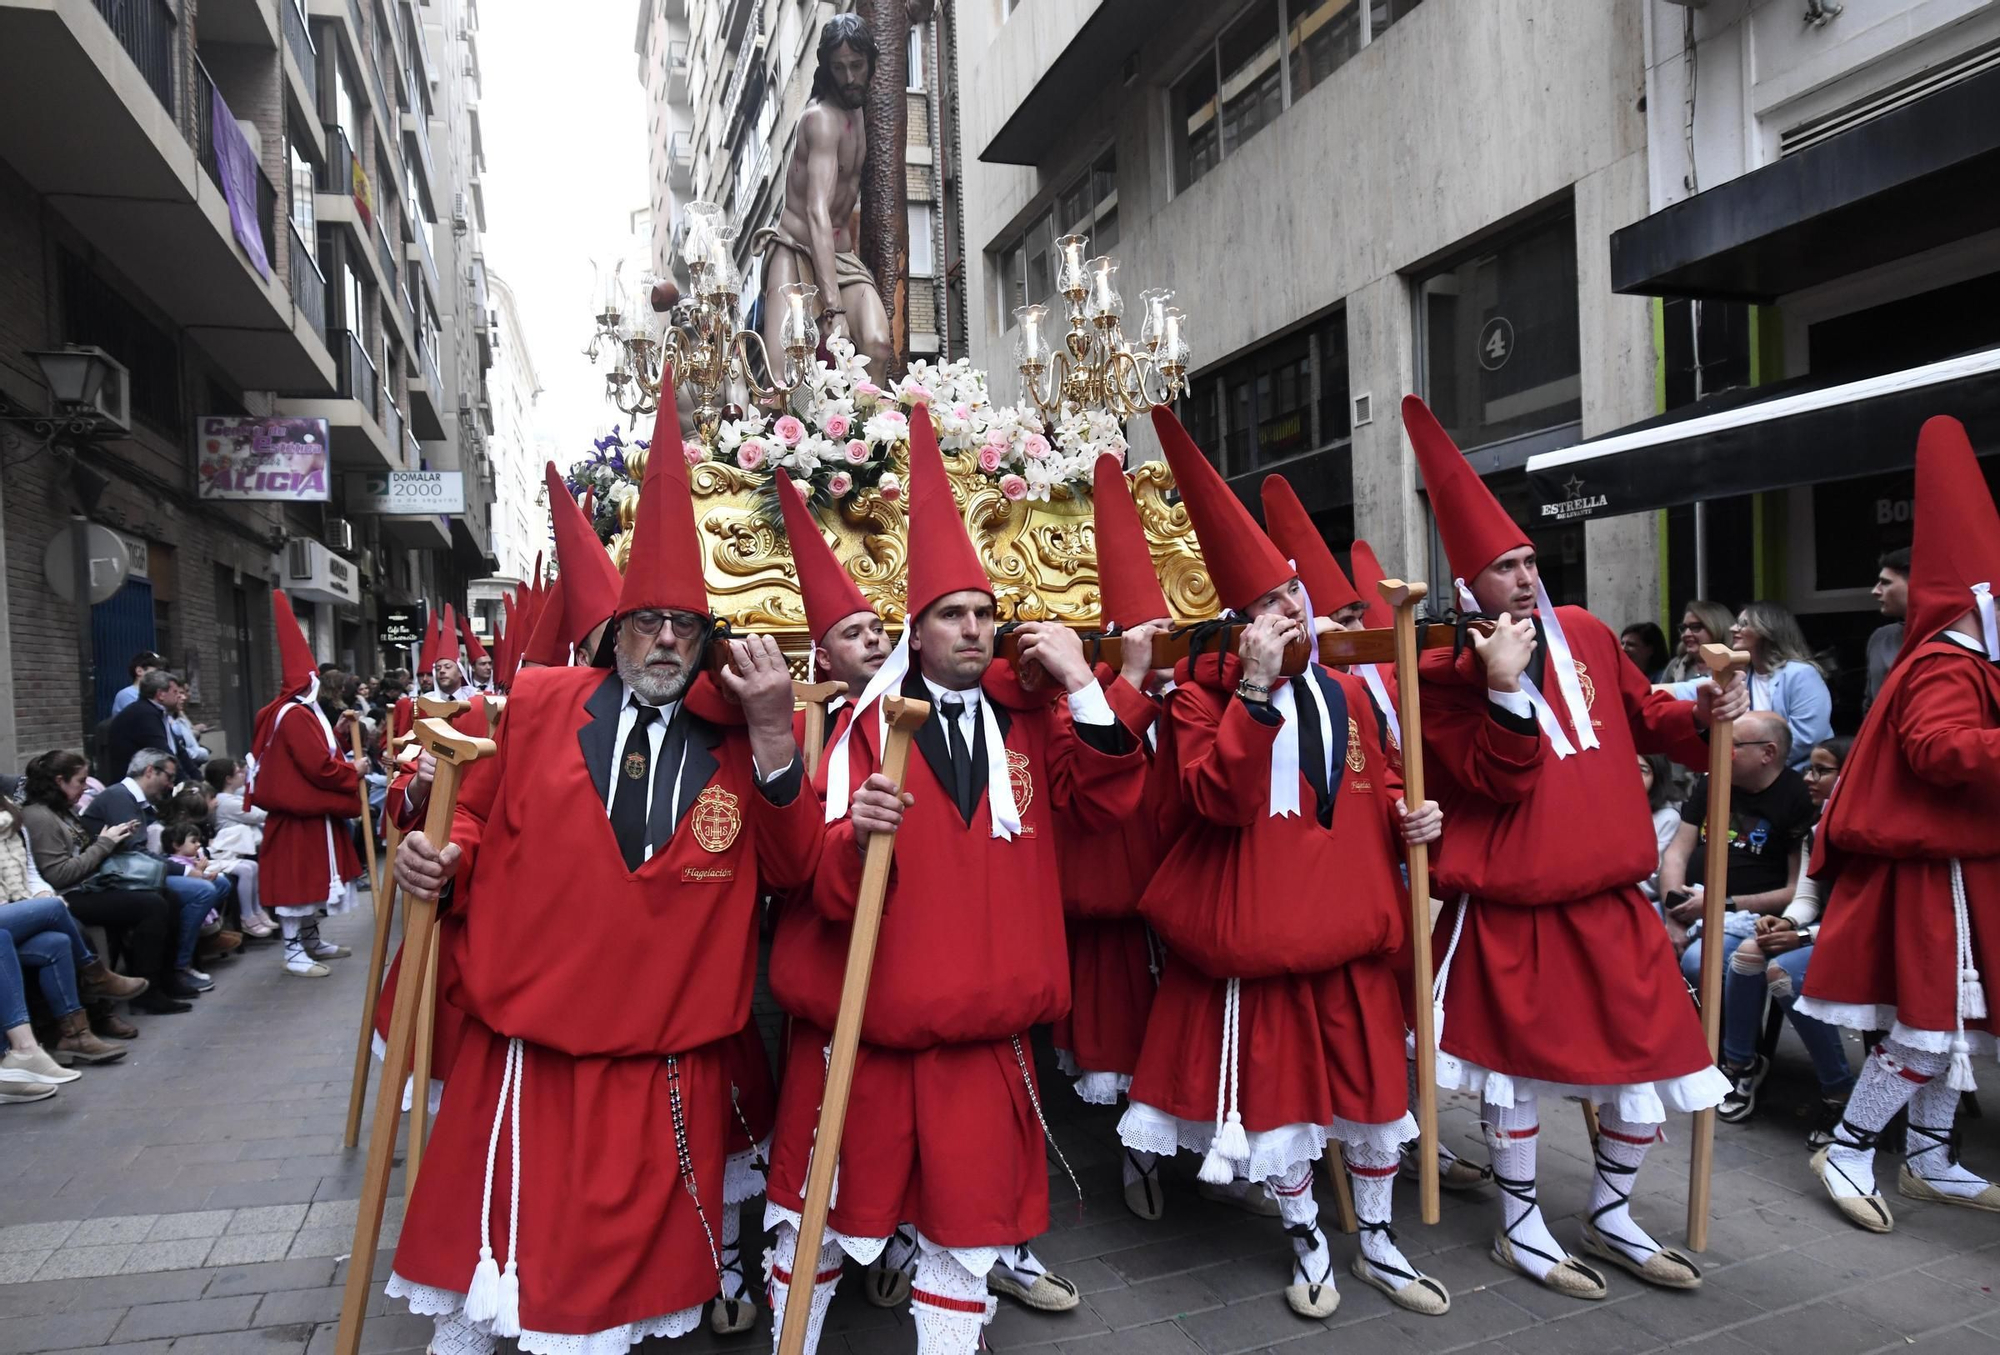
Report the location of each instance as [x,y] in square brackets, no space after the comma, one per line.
[1971,996]
[1231,1145]
[482,1298]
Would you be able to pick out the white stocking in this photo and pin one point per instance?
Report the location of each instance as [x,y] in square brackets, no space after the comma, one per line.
[1312,1259]
[1021,1265]
[1511,1132]
[1372,1173]
[453,1335]
[1892,1075]
[734,1284]
[950,1303]
[1929,1144]
[778,1264]
[1621,1147]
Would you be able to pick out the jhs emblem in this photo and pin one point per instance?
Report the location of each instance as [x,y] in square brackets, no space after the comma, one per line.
[635,765]
[717,818]
[1589,687]
[1018,777]
[1356,760]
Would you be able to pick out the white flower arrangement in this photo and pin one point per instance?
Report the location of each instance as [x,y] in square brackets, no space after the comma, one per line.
[842,429]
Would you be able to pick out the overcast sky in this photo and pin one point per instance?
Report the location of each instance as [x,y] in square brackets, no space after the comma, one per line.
[564,118]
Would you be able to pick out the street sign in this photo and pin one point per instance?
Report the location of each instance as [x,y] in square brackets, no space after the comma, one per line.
[406,492]
[110,563]
[401,627]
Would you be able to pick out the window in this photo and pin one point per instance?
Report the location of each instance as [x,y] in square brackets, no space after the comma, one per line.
[1501,355]
[1088,205]
[1275,53]
[918,61]
[95,311]
[923,240]
[302,197]
[1283,399]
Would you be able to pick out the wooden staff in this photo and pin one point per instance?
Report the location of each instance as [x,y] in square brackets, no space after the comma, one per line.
[905,716]
[814,696]
[420,1073]
[1337,648]
[1722,663]
[1404,597]
[453,751]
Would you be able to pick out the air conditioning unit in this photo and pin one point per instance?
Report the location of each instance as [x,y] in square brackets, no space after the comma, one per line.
[340,535]
[114,397]
[461,221]
[464,402]
[299,558]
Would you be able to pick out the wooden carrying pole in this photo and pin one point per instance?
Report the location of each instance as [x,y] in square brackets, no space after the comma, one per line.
[814,696]
[434,708]
[905,717]
[382,897]
[1404,597]
[1722,661]
[453,751]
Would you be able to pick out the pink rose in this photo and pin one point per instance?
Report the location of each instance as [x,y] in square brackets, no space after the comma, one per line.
[963,413]
[1013,486]
[789,430]
[867,388]
[918,394]
[989,457]
[694,452]
[839,483]
[836,425]
[857,451]
[890,488]
[1036,446]
[751,454]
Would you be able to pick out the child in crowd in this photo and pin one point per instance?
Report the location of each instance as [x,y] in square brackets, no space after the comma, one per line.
[239,832]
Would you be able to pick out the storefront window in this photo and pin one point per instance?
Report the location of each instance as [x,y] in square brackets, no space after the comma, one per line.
[1500,336]
[1285,399]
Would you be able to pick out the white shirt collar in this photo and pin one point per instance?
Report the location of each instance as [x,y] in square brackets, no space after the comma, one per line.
[138,793]
[1972,643]
[632,698]
[939,694]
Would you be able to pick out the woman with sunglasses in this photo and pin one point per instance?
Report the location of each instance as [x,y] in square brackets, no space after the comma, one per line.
[1785,678]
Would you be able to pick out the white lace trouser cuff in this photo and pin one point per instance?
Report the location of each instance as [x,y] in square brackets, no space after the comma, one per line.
[458,1336]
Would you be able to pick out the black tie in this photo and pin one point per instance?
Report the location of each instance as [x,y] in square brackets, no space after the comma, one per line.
[1312,748]
[634,777]
[961,756]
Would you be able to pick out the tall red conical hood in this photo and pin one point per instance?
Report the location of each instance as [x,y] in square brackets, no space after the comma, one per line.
[587,590]
[427,655]
[1475,528]
[1368,573]
[1241,559]
[830,593]
[663,570]
[1291,530]
[942,559]
[474,651]
[296,665]
[1128,583]
[447,645]
[548,642]
[1957,542]
[507,644]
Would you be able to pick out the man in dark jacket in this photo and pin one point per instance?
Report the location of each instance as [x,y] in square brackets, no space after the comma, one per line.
[150,778]
[146,723]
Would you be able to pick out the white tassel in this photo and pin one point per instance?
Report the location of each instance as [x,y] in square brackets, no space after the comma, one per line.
[1973,994]
[1961,1079]
[507,1322]
[482,1300]
[1216,1168]
[1232,1142]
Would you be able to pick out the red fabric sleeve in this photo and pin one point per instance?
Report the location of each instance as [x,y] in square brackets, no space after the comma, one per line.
[476,794]
[1225,756]
[1134,709]
[312,779]
[1659,723]
[1473,748]
[789,836]
[836,881]
[1100,791]
[1943,726]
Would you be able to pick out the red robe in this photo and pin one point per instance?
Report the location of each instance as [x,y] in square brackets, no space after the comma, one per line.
[310,791]
[621,984]
[945,1134]
[1920,788]
[1306,916]
[1562,972]
[1113,959]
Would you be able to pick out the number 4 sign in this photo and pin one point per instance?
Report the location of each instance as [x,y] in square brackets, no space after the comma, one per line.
[1496,343]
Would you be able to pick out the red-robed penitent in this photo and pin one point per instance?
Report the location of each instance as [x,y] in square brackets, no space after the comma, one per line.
[970,954]
[1555,970]
[301,776]
[1279,927]
[1919,795]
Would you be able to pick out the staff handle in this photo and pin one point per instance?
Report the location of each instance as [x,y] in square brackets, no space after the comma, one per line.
[453,750]
[1722,662]
[905,716]
[378,953]
[814,696]
[1404,597]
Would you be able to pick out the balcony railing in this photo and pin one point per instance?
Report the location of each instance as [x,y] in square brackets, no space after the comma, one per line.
[308,284]
[386,252]
[338,176]
[304,54]
[267,194]
[427,351]
[358,378]
[392,424]
[146,30]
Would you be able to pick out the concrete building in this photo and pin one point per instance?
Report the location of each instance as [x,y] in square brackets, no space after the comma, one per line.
[520,517]
[322,297]
[1823,259]
[726,82]
[1353,199]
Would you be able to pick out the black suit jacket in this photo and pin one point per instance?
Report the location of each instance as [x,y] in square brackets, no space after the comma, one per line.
[116,804]
[139,726]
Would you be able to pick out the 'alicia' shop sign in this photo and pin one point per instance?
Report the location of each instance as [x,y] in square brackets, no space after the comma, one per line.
[275,460]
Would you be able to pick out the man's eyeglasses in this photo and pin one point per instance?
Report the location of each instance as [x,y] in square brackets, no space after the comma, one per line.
[1754,743]
[686,625]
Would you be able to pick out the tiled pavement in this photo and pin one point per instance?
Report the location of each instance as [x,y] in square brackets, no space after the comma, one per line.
[195,1200]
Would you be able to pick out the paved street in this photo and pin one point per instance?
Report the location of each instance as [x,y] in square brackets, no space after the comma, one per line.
[195,1199]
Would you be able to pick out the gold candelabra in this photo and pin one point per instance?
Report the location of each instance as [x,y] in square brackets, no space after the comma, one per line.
[1096,366]
[699,341]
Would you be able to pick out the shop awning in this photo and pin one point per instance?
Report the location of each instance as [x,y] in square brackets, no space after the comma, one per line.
[1921,176]
[1748,441]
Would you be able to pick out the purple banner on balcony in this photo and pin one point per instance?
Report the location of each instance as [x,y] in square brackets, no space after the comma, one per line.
[236,167]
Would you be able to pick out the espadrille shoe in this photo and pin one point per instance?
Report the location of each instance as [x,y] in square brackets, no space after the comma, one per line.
[1417,1292]
[1668,1267]
[1863,1211]
[1570,1276]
